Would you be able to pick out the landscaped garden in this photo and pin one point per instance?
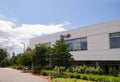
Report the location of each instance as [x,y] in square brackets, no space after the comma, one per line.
[58,64]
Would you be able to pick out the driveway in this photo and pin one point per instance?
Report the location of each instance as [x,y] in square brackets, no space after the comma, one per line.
[11,75]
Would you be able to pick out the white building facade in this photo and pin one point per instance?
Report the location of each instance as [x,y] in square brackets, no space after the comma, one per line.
[94,45]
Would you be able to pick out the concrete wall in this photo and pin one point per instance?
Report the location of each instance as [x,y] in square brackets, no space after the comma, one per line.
[97,39]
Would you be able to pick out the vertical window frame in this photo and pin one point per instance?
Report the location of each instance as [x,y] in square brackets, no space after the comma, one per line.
[114,36]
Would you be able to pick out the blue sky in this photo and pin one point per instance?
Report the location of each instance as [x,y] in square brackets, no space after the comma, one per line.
[77,12]
[21,20]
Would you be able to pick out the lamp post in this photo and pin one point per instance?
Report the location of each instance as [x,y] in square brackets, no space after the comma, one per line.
[24,46]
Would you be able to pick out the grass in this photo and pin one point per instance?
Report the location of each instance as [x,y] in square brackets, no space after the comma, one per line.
[68,80]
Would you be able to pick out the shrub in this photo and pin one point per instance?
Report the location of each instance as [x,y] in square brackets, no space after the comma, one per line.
[86,70]
[85,76]
[37,69]
[91,77]
[5,63]
[44,72]
[96,78]
[60,69]
[113,71]
[50,72]
[67,80]
[21,67]
[48,67]
[78,76]
[70,75]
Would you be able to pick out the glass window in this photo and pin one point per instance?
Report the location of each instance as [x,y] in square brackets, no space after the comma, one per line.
[77,44]
[115,40]
[83,44]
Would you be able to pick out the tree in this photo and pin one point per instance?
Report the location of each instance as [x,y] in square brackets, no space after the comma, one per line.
[13,59]
[40,55]
[60,56]
[5,62]
[3,54]
[26,60]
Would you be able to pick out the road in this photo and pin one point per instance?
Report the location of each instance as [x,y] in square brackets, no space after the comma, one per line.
[12,75]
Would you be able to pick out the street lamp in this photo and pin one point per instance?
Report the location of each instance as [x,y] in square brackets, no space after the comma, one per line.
[24,46]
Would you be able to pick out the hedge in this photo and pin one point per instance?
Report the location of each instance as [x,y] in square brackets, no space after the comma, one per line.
[90,77]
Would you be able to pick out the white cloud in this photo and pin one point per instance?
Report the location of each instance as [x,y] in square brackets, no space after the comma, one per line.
[11,38]
[8,18]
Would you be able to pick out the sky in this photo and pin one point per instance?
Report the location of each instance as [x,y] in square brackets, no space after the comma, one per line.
[21,20]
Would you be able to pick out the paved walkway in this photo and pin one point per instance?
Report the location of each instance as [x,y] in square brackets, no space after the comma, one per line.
[11,75]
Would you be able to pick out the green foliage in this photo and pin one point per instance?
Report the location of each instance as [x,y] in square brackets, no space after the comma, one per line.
[60,56]
[37,69]
[25,59]
[96,78]
[89,77]
[68,80]
[3,54]
[21,67]
[48,67]
[86,70]
[40,55]
[13,59]
[113,71]
[60,69]
[51,73]
[5,63]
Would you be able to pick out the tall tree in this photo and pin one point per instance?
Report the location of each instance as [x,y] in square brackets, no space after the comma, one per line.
[13,59]
[60,56]
[26,60]
[40,55]
[3,54]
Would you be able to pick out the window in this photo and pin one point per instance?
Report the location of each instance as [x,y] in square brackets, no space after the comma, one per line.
[114,40]
[77,44]
[46,44]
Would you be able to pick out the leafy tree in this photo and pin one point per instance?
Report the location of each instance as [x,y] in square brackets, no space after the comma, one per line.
[13,59]
[26,60]
[60,56]
[5,62]
[40,55]
[3,54]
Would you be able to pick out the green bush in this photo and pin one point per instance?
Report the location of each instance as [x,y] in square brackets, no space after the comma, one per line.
[91,77]
[60,69]
[50,72]
[86,70]
[68,80]
[21,67]
[48,67]
[113,71]
[70,75]
[44,72]
[115,79]
[37,69]
[85,77]
[5,63]
[78,76]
